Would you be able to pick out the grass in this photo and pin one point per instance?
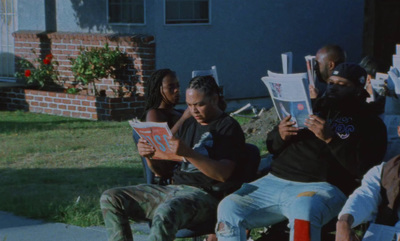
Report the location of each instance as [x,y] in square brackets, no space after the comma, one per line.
[55,168]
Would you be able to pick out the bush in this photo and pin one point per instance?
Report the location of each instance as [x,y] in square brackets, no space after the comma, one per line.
[93,64]
[45,75]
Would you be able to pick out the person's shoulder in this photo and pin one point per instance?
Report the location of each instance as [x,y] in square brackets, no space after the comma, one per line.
[189,122]
[225,121]
[156,115]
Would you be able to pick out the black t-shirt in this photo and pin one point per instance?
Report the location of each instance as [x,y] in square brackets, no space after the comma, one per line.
[223,138]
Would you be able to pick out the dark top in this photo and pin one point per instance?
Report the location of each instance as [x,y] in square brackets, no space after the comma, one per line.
[390,193]
[223,138]
[359,144]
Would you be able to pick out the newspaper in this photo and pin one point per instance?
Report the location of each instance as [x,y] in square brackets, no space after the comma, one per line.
[156,134]
[377,232]
[287,62]
[290,96]
[310,62]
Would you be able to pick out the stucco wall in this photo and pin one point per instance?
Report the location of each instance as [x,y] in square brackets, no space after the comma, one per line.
[244,39]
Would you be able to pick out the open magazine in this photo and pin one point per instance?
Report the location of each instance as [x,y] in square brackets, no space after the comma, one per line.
[156,134]
[393,82]
[377,232]
[290,96]
[287,62]
[310,62]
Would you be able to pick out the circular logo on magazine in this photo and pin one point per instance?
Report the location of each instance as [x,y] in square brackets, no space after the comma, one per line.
[300,106]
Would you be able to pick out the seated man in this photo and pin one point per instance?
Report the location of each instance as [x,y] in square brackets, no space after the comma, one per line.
[327,58]
[314,168]
[217,156]
[376,200]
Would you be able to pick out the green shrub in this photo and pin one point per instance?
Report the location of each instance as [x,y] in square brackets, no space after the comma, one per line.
[42,72]
[93,64]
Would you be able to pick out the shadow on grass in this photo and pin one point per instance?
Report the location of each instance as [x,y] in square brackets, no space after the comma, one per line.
[62,195]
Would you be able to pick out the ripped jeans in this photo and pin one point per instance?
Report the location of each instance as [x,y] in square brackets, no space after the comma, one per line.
[269,200]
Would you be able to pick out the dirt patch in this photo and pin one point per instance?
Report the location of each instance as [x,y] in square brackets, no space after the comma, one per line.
[257,129]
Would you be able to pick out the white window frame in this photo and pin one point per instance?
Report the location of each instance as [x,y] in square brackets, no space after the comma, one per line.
[127,24]
[7,45]
[187,24]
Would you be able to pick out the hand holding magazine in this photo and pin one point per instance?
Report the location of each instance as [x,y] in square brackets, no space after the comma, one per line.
[156,135]
[290,96]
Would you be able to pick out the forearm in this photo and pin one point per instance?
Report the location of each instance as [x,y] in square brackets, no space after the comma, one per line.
[363,203]
[343,228]
[218,170]
[177,125]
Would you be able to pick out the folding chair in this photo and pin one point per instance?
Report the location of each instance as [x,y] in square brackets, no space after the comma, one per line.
[212,71]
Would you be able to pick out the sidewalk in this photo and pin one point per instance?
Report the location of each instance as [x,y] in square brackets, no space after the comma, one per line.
[15,228]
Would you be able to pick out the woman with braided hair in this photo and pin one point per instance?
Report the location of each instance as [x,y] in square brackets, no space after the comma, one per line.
[162,94]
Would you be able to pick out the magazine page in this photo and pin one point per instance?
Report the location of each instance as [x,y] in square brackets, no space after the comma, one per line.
[303,76]
[396,61]
[287,62]
[378,85]
[393,81]
[290,97]
[310,62]
[377,232]
[297,75]
[156,134]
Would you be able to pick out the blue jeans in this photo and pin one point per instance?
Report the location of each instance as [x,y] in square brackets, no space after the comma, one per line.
[270,200]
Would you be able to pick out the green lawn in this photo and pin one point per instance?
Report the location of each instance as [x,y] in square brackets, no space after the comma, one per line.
[56,168]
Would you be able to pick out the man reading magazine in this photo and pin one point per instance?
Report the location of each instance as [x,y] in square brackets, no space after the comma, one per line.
[314,168]
[212,145]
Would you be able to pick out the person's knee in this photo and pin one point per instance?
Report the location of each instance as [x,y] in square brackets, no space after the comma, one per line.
[109,198]
[225,206]
[226,229]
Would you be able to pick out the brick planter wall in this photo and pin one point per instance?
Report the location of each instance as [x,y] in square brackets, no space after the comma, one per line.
[69,105]
[139,49]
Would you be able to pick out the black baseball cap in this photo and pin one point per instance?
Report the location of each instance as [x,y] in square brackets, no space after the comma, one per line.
[352,72]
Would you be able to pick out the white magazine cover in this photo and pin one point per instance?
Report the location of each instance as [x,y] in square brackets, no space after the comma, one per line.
[310,62]
[393,82]
[287,62]
[290,97]
[377,232]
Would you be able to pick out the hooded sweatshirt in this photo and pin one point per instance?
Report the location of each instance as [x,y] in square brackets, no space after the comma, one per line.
[358,144]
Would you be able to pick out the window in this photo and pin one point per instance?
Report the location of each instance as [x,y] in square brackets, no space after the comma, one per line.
[187,11]
[8,25]
[126,11]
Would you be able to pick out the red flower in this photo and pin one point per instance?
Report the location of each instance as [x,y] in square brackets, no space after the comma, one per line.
[49,56]
[27,73]
[46,61]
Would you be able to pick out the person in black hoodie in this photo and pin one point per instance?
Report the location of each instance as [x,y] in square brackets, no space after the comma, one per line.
[315,168]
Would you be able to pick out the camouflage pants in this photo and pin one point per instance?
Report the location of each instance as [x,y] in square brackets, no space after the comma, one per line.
[169,207]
